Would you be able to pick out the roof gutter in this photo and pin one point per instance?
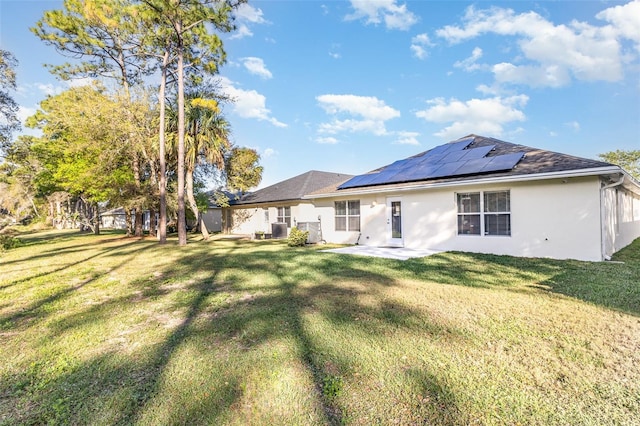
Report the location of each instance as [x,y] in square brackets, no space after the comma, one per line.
[603,230]
[513,178]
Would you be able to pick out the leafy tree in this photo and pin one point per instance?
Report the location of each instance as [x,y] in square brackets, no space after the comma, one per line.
[101,33]
[628,160]
[106,36]
[242,171]
[195,47]
[18,171]
[206,143]
[8,107]
[83,147]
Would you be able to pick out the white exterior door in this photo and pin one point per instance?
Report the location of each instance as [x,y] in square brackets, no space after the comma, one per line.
[394,222]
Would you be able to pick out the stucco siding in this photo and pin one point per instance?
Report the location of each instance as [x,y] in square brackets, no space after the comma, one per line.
[552,218]
[248,220]
[621,218]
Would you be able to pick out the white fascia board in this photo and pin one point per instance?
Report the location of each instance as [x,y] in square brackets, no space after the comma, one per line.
[483,181]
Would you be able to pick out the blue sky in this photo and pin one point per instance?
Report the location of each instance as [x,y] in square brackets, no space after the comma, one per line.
[348,86]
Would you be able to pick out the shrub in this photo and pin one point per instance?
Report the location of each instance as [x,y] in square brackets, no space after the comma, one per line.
[8,241]
[332,387]
[297,238]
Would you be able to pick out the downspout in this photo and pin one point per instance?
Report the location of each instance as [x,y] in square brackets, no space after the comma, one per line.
[603,231]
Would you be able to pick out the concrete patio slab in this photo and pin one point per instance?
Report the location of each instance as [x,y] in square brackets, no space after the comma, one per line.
[399,253]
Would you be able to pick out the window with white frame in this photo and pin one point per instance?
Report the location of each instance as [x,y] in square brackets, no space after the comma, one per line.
[284,215]
[486,213]
[347,215]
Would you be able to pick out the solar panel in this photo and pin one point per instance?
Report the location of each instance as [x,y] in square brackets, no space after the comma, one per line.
[477,152]
[503,162]
[437,150]
[453,156]
[452,159]
[473,166]
[416,173]
[447,169]
[354,181]
[458,146]
[431,159]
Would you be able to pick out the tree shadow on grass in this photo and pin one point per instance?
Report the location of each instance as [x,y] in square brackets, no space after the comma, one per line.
[280,310]
[610,285]
[124,388]
[38,309]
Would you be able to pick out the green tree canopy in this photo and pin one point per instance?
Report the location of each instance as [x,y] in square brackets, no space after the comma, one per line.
[8,107]
[83,149]
[628,160]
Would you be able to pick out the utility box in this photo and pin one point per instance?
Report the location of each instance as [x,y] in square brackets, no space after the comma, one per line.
[315,236]
[279,230]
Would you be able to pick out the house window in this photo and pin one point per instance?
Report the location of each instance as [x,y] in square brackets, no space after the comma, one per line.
[497,213]
[266,215]
[284,215]
[347,215]
[487,213]
[469,214]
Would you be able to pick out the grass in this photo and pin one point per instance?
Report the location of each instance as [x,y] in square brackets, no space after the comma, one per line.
[110,330]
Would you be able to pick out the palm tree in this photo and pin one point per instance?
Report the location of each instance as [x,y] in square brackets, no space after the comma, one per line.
[206,142]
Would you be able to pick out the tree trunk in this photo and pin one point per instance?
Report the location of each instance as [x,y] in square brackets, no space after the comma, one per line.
[96,220]
[182,226]
[138,205]
[153,223]
[139,224]
[128,220]
[194,206]
[162,184]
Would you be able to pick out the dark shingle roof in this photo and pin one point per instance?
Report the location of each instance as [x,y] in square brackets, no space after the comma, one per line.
[535,161]
[294,188]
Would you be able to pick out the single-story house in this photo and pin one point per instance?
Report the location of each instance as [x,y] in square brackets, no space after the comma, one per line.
[117,219]
[475,194]
[278,207]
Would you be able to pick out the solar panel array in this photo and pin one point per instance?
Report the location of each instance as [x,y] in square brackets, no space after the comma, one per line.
[452,159]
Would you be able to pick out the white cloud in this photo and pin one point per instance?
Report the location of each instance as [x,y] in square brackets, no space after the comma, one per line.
[552,55]
[248,103]
[257,67]
[49,89]
[419,44]
[625,19]
[334,52]
[394,16]
[246,15]
[24,113]
[484,116]
[80,81]
[327,140]
[470,63]
[573,125]
[407,138]
[269,152]
[370,112]
[364,106]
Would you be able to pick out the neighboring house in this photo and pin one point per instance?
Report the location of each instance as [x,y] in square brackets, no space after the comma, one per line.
[475,194]
[278,207]
[113,219]
[213,216]
[117,219]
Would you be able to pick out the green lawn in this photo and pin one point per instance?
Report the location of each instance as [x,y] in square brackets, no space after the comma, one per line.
[110,330]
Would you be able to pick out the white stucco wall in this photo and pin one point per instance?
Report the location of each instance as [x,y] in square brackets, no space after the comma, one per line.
[248,220]
[551,218]
[621,218]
